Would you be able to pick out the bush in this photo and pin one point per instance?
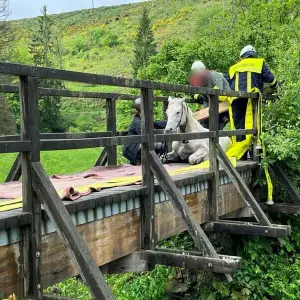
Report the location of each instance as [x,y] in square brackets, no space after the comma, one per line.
[110,40]
[79,44]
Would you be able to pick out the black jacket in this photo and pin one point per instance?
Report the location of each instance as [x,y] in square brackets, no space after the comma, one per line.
[132,151]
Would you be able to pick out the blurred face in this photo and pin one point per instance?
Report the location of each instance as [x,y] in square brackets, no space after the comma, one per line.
[198,79]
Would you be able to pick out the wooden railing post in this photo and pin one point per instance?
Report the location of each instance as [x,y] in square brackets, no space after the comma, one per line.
[111,125]
[213,191]
[147,205]
[31,251]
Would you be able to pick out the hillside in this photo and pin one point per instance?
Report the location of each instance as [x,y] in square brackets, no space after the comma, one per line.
[101,42]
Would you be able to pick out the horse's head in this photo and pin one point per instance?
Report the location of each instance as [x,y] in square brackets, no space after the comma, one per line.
[176,113]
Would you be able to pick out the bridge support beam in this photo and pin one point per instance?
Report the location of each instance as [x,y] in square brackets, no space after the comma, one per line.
[242,187]
[248,228]
[222,264]
[202,242]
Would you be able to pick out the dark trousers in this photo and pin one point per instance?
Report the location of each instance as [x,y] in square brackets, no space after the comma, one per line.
[239,107]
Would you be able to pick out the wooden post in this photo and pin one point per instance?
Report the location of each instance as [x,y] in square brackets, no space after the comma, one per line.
[111,125]
[29,120]
[213,191]
[147,205]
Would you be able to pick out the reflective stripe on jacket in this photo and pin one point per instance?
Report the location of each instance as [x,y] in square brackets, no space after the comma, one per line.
[258,70]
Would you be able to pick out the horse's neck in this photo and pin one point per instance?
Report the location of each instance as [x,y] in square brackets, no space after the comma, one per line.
[192,124]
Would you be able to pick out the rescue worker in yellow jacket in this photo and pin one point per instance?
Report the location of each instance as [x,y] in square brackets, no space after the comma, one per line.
[250,72]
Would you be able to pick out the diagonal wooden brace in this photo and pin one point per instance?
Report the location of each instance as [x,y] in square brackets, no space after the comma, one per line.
[201,240]
[241,187]
[15,171]
[59,215]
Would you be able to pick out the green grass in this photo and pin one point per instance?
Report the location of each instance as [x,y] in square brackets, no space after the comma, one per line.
[57,162]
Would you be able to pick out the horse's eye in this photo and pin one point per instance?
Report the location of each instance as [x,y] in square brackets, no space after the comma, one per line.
[178,113]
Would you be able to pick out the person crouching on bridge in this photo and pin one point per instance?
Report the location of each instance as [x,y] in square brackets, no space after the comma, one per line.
[250,72]
[132,152]
[202,77]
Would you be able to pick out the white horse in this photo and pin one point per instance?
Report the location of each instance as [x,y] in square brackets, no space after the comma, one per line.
[181,120]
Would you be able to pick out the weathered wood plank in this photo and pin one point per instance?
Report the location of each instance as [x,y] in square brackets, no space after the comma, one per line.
[180,206]
[209,264]
[30,122]
[242,187]
[15,171]
[42,72]
[65,226]
[147,201]
[213,190]
[203,114]
[248,228]
[111,125]
[60,144]
[287,184]
[283,208]
[237,132]
[4,88]
[183,136]
[14,146]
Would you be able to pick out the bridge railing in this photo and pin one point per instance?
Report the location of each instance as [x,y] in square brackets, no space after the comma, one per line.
[38,189]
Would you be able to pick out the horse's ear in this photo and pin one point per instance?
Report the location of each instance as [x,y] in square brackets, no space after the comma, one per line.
[170,98]
[182,100]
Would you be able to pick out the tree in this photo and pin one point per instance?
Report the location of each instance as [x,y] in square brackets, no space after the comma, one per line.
[46,49]
[7,124]
[144,44]
[5,34]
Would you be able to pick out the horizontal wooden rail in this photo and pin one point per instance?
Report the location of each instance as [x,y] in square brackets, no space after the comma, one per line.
[209,264]
[61,144]
[248,228]
[237,132]
[14,146]
[14,89]
[183,136]
[64,135]
[41,72]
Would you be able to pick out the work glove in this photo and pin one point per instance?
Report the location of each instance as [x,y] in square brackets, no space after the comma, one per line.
[200,99]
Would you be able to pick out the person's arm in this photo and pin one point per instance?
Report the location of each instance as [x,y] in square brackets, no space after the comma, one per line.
[219,81]
[268,77]
[160,124]
[135,127]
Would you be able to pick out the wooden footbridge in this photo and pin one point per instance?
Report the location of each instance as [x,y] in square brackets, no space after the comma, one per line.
[117,228]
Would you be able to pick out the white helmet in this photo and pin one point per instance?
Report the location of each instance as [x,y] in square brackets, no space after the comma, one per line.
[248,48]
[198,65]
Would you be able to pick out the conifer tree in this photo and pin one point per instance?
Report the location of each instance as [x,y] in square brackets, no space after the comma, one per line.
[144,44]
[44,53]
